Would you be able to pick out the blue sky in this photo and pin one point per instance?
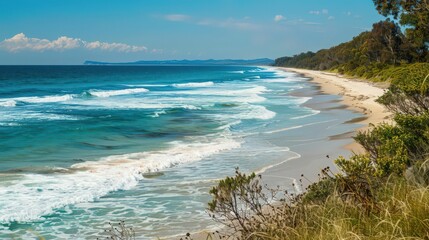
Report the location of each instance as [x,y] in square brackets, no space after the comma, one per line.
[69,32]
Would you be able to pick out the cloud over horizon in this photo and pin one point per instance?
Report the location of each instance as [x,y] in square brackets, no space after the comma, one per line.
[278,18]
[20,42]
[319,12]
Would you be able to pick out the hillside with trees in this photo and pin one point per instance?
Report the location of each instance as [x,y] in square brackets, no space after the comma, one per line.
[384,47]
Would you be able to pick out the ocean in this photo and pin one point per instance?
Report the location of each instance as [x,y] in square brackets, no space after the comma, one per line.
[84,145]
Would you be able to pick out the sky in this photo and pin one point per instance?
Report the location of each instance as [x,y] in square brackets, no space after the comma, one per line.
[72,31]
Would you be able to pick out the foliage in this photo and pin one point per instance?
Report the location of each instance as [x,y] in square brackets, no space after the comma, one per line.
[318,192]
[414,15]
[244,206]
[393,148]
[409,89]
[386,149]
[119,231]
[382,47]
[368,53]
[347,207]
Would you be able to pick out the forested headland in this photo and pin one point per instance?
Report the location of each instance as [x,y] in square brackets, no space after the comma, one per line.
[401,40]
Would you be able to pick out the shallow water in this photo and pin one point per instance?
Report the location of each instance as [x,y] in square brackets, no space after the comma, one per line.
[79,144]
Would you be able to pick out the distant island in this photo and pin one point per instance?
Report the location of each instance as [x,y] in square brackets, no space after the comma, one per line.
[209,62]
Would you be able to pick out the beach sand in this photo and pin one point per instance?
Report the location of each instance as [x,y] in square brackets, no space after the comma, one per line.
[357,94]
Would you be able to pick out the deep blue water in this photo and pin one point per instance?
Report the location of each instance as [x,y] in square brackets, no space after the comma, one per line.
[77,143]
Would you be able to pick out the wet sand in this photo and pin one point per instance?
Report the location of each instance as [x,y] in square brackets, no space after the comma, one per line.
[356,94]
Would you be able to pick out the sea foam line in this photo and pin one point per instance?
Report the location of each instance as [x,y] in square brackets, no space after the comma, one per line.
[109,93]
[298,126]
[92,180]
[193,84]
[8,103]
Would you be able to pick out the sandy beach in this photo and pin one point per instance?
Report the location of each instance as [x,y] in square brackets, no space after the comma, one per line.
[356,94]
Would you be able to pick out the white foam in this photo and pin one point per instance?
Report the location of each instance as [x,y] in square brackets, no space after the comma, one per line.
[258,112]
[8,103]
[249,91]
[13,117]
[46,99]
[193,84]
[264,169]
[157,113]
[246,111]
[35,196]
[301,100]
[146,85]
[298,126]
[241,72]
[190,107]
[249,94]
[133,103]
[109,93]
[313,112]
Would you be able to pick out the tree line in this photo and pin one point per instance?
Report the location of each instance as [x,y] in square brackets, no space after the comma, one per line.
[384,46]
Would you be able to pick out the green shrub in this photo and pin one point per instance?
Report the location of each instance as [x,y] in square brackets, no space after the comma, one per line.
[387,150]
[409,90]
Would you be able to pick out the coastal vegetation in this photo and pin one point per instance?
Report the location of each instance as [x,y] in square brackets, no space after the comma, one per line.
[381,194]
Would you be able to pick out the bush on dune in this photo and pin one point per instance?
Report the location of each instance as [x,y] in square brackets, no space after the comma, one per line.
[409,89]
[355,208]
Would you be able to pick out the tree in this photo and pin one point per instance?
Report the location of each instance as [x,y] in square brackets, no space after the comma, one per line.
[385,43]
[414,15]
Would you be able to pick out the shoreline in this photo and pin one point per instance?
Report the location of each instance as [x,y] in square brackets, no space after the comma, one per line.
[325,137]
[356,94]
[352,96]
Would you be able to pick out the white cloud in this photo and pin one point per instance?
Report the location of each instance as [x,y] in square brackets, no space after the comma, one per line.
[177,17]
[331,18]
[20,42]
[119,47]
[278,18]
[318,12]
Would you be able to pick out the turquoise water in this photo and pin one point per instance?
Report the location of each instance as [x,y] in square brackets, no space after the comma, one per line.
[78,143]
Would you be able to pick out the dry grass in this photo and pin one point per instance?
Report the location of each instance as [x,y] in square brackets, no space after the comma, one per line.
[402,213]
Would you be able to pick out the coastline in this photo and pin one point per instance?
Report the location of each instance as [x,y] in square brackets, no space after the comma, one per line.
[356,94]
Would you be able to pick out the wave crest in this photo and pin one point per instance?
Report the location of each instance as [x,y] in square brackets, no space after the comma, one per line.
[109,93]
[193,84]
[8,103]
